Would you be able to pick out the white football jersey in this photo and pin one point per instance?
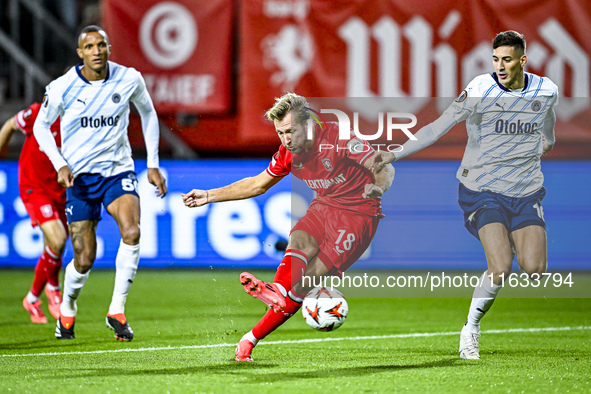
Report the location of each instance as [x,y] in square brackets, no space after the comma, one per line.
[95,116]
[505,129]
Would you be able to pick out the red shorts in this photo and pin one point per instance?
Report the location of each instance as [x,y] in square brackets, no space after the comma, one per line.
[42,209]
[343,236]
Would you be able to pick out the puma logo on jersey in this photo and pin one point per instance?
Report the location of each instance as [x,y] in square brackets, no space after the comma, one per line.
[70,209]
[500,106]
[82,101]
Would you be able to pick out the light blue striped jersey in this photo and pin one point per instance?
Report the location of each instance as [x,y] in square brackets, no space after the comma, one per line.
[505,129]
[95,116]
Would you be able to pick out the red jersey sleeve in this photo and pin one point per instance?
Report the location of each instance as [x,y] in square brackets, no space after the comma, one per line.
[359,150]
[280,163]
[25,119]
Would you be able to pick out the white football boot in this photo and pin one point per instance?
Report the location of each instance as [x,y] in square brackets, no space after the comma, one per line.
[469,349]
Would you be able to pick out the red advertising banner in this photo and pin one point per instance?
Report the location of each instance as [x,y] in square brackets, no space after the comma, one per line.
[417,50]
[183,48]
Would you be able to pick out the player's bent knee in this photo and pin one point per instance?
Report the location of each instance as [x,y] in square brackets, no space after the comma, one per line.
[315,270]
[57,246]
[534,268]
[59,243]
[84,263]
[304,243]
[56,242]
[131,235]
[500,273]
[500,267]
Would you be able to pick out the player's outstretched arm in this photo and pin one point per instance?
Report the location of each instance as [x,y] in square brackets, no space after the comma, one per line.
[6,132]
[427,135]
[156,179]
[196,198]
[244,188]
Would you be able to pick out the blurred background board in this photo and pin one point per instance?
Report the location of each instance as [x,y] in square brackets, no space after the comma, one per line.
[213,67]
[423,227]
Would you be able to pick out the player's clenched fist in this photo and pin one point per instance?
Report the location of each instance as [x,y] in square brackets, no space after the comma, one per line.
[195,198]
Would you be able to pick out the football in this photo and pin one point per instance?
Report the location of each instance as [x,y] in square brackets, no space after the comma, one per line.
[325,309]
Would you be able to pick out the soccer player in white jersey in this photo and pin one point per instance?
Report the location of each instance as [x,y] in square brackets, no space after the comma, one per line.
[95,165]
[510,122]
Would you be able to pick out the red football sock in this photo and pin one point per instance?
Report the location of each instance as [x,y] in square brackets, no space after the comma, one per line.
[291,269]
[53,265]
[40,278]
[271,321]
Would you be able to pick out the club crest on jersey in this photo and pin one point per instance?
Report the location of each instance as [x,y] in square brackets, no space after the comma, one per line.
[462,96]
[116,97]
[327,164]
[536,105]
[46,210]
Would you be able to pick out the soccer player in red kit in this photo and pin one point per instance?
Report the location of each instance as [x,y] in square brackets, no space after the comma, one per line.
[45,201]
[339,224]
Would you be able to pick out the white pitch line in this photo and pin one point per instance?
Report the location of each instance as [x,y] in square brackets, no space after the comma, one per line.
[296,341]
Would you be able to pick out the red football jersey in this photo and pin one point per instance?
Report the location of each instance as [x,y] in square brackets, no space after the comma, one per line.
[36,173]
[333,168]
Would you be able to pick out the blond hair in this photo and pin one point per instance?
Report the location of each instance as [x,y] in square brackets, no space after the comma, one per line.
[289,102]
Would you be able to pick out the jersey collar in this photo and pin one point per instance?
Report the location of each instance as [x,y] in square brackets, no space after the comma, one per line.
[79,67]
[525,85]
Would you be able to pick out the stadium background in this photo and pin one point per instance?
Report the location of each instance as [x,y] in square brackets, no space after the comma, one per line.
[213,67]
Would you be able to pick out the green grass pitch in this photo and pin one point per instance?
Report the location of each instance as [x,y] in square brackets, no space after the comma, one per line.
[187,324]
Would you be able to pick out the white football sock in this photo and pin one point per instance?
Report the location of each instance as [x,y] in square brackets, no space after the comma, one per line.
[281,289]
[250,337]
[128,257]
[32,298]
[73,284]
[293,295]
[482,299]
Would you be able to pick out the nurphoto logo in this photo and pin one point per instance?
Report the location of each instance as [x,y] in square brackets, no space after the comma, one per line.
[391,120]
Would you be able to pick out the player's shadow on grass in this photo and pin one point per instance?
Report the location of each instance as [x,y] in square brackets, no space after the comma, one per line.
[49,341]
[247,368]
[243,368]
[251,370]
